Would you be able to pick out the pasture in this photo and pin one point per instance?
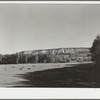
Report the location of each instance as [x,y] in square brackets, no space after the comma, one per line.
[47,75]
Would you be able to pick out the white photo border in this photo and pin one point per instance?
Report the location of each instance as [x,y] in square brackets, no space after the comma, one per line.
[49,93]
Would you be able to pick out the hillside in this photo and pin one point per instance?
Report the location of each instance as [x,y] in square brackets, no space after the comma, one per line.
[58,51]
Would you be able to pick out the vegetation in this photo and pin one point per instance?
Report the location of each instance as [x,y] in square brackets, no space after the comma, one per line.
[78,75]
[48,56]
[95,50]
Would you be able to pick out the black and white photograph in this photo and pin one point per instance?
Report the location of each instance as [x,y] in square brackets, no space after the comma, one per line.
[49,45]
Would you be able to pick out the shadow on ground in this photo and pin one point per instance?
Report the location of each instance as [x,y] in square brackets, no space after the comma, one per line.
[78,76]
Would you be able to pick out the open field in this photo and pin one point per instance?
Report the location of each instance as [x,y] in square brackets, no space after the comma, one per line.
[47,75]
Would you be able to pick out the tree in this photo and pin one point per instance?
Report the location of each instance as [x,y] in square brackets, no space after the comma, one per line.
[17,58]
[95,50]
[1,56]
[48,57]
[25,57]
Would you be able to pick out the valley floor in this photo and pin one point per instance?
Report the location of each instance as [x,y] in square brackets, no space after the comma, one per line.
[47,75]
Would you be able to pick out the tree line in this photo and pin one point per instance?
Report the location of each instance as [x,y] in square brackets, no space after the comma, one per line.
[25,58]
[20,58]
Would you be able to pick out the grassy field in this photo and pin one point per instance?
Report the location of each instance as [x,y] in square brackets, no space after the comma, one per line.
[50,75]
[10,74]
[72,75]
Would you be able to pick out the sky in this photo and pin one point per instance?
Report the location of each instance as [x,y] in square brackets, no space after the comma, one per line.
[45,26]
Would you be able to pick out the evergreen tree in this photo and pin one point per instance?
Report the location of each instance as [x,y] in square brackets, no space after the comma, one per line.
[95,50]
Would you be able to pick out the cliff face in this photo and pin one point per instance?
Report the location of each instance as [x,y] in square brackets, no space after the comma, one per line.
[58,51]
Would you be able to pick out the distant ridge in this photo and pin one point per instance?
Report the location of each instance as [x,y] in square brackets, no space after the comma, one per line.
[58,50]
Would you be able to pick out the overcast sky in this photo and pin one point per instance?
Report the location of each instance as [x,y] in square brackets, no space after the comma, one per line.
[38,26]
